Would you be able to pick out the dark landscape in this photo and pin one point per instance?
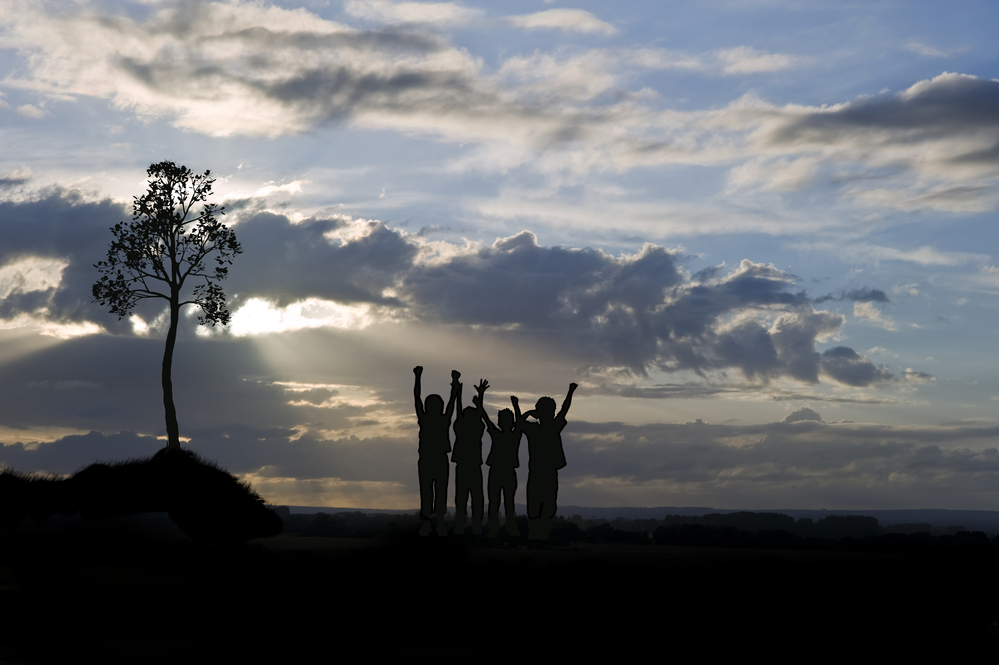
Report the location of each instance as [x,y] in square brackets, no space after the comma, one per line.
[136,587]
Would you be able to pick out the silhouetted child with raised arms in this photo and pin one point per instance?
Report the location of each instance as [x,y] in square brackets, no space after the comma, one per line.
[544,445]
[503,460]
[435,444]
[467,458]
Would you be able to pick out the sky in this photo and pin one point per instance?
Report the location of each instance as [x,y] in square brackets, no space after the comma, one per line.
[759,235]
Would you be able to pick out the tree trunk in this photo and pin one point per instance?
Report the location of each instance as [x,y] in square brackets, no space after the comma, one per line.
[173,431]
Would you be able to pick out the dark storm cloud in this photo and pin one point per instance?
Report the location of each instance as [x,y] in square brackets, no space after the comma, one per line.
[640,311]
[847,366]
[801,463]
[864,294]
[292,262]
[59,224]
[947,107]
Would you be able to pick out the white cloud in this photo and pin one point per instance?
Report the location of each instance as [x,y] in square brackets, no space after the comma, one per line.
[383,11]
[746,60]
[31,111]
[929,51]
[32,273]
[276,71]
[868,312]
[925,255]
[572,20]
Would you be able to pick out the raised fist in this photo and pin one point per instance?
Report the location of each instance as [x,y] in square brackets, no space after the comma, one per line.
[418,370]
[455,375]
[573,386]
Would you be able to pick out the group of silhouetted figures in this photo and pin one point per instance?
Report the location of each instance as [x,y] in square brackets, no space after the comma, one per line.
[544,445]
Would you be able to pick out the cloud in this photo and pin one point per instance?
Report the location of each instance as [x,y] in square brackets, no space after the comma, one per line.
[868,312]
[746,60]
[847,366]
[15,178]
[800,461]
[803,463]
[802,414]
[437,13]
[925,255]
[943,129]
[223,69]
[31,111]
[929,51]
[641,311]
[863,294]
[569,20]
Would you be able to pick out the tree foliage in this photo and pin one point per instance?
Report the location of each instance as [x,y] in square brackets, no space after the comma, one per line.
[166,244]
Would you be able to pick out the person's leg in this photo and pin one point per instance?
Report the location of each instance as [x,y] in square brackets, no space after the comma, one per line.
[509,492]
[550,507]
[494,501]
[426,497]
[460,499]
[476,489]
[440,494]
[534,504]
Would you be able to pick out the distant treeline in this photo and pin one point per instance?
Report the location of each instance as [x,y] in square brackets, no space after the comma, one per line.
[856,533]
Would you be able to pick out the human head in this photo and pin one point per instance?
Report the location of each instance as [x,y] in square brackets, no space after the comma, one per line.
[434,404]
[505,418]
[545,409]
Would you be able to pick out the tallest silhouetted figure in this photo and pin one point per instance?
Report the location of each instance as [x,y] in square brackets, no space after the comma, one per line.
[546,457]
[435,444]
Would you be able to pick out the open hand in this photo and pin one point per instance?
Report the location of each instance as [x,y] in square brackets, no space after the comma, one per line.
[482,387]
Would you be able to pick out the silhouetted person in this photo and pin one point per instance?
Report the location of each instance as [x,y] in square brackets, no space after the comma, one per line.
[544,445]
[503,460]
[467,458]
[435,444]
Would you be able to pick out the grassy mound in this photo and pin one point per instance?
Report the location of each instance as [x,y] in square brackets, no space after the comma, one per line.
[205,501]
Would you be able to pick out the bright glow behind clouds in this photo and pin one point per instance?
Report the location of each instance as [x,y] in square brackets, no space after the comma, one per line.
[259,317]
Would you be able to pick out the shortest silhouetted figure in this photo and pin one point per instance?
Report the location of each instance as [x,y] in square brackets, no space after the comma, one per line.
[435,444]
[467,458]
[544,446]
[503,460]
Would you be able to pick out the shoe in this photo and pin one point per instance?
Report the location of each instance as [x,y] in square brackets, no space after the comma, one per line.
[425,528]
[441,528]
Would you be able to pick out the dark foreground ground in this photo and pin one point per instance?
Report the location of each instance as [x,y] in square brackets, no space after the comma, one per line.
[136,589]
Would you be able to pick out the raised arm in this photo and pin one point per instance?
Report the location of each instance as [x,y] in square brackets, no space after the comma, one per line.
[418,371]
[455,393]
[567,402]
[518,419]
[479,400]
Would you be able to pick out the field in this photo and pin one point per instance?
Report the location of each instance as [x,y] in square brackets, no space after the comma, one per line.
[137,588]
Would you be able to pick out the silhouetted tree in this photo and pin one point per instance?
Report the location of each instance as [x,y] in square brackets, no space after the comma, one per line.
[165,248]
